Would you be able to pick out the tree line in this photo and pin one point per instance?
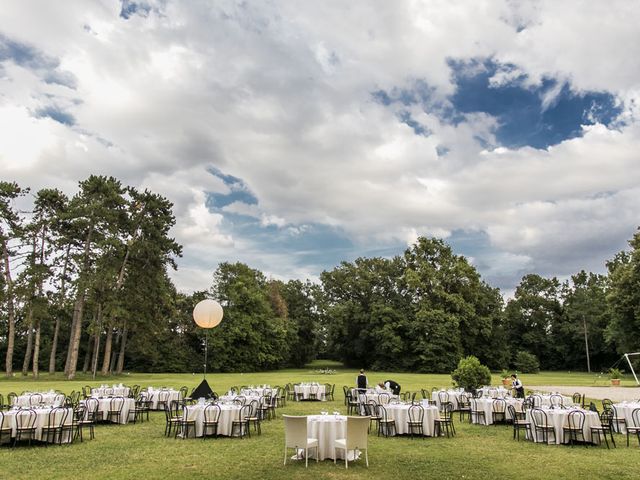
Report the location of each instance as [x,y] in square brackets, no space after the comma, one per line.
[84,286]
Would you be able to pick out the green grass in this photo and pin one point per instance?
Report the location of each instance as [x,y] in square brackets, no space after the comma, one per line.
[142,451]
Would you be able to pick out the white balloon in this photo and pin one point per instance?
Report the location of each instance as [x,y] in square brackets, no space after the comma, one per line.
[207,314]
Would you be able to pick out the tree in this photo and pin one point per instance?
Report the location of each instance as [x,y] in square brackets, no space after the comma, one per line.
[532,317]
[10,229]
[624,298]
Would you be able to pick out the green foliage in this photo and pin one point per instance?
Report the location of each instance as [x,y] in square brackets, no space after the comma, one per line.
[471,374]
[526,362]
[624,298]
[615,373]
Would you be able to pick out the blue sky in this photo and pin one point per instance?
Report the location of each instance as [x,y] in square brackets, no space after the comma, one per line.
[293,137]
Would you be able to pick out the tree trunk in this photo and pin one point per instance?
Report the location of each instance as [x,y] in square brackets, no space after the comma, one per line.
[112,365]
[96,342]
[11,318]
[56,329]
[107,351]
[27,353]
[123,345]
[36,351]
[88,354]
[76,324]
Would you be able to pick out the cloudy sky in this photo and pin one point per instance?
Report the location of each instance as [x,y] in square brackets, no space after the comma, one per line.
[292,135]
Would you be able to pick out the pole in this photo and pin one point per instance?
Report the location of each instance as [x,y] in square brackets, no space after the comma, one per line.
[206,338]
[586,343]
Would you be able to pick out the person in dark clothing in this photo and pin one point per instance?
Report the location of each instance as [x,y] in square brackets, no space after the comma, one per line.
[393,386]
[361,382]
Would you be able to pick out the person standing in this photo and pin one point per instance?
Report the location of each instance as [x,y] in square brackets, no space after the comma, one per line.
[516,384]
[361,382]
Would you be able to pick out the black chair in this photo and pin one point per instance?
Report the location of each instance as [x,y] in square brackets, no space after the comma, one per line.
[443,398]
[617,421]
[445,422]
[371,411]
[83,418]
[313,392]
[5,430]
[477,412]
[211,418]
[255,417]
[163,400]
[605,427]
[240,423]
[499,411]
[386,426]
[139,410]
[114,414]
[425,393]
[25,425]
[541,425]
[12,399]
[519,423]
[578,399]
[635,428]
[464,406]
[353,406]
[172,420]
[556,401]
[575,427]
[240,400]
[52,430]
[185,425]
[416,419]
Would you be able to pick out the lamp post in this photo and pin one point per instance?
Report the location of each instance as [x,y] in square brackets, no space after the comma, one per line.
[207,314]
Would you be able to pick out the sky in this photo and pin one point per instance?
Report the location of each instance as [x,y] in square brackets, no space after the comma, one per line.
[295,135]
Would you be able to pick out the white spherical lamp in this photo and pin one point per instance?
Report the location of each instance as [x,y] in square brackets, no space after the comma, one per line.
[207,314]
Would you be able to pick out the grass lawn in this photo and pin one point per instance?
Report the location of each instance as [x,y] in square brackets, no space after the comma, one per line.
[142,451]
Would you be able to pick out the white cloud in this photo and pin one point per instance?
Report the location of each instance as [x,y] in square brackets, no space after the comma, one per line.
[279,94]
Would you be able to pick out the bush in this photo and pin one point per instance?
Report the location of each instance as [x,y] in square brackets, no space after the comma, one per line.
[471,374]
[526,362]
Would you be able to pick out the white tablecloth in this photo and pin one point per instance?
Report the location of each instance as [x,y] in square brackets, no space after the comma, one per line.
[304,391]
[400,413]
[495,392]
[327,428]
[454,395]
[624,410]
[558,417]
[257,392]
[154,397]
[225,422]
[110,391]
[104,404]
[35,399]
[546,400]
[486,405]
[42,415]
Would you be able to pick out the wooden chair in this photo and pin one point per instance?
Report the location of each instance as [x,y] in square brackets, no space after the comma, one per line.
[606,426]
[210,423]
[498,411]
[519,424]
[635,428]
[296,437]
[445,422]
[52,429]
[416,419]
[356,440]
[386,426]
[25,426]
[541,425]
[5,430]
[575,427]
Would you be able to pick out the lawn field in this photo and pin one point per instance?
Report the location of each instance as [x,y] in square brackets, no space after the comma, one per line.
[141,450]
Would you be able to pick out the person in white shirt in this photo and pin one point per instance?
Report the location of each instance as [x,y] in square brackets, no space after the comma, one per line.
[516,384]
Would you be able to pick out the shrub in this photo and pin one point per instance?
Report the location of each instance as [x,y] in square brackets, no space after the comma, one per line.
[526,362]
[471,374]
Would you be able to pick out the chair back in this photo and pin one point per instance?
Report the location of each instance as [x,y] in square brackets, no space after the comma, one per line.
[241,400]
[116,404]
[576,419]
[416,414]
[212,413]
[425,393]
[12,398]
[295,431]
[499,405]
[606,403]
[35,399]
[26,418]
[539,417]
[357,432]
[512,412]
[635,417]
[576,398]
[443,397]
[556,400]
[57,417]
[92,405]
[384,398]
[255,407]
